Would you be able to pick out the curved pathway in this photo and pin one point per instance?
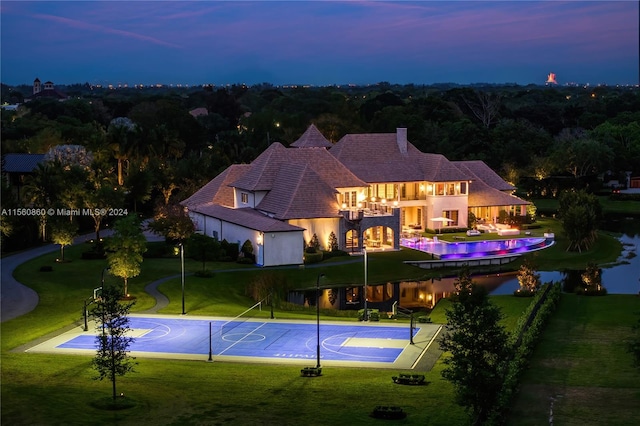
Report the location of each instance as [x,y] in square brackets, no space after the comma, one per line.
[17,299]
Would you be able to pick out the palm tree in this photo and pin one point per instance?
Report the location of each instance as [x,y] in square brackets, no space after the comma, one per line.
[120,137]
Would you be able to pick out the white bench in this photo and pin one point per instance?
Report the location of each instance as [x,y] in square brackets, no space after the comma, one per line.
[473,233]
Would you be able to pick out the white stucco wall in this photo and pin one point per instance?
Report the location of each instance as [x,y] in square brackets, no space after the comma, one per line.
[282,248]
[277,248]
[321,227]
[452,202]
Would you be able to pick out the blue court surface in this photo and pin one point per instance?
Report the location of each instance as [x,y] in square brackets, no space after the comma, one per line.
[261,340]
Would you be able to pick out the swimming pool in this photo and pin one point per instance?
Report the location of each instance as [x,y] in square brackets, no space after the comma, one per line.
[463,249]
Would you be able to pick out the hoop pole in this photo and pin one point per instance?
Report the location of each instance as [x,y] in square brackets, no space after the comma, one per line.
[210,352]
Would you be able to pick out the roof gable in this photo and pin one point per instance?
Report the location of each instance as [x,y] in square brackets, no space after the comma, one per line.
[217,190]
[312,138]
[263,169]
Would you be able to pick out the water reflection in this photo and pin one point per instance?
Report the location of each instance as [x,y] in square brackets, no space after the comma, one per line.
[622,278]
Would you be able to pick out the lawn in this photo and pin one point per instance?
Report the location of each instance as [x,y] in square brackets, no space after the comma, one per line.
[581,363]
[173,392]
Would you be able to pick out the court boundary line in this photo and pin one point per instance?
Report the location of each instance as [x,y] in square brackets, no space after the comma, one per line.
[426,348]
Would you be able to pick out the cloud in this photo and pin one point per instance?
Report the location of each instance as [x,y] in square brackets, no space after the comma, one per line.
[73,23]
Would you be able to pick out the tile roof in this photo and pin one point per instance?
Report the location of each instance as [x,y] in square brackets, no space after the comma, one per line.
[482,195]
[300,193]
[246,217]
[484,173]
[264,169]
[312,138]
[218,189]
[21,163]
[380,157]
[487,187]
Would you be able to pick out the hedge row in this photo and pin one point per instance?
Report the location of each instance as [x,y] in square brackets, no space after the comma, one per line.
[527,338]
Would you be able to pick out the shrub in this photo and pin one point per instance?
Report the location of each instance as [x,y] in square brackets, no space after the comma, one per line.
[159,249]
[245,261]
[312,257]
[230,249]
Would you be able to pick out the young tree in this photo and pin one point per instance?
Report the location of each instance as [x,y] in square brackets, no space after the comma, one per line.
[477,344]
[528,279]
[63,232]
[125,248]
[112,342]
[333,242]
[592,279]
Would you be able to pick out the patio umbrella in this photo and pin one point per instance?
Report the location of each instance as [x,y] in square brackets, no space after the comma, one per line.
[441,220]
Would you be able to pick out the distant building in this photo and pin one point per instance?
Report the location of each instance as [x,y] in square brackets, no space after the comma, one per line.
[46,91]
[551,79]
[199,112]
[16,167]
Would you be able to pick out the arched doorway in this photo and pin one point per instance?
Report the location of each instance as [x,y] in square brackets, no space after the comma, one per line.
[378,237]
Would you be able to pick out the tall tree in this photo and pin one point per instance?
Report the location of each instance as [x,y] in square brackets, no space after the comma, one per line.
[101,194]
[41,189]
[477,344]
[172,222]
[579,213]
[113,340]
[125,248]
[121,139]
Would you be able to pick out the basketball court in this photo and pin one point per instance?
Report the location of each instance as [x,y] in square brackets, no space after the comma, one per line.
[361,344]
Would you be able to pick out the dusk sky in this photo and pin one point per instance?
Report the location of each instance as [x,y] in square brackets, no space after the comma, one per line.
[319,42]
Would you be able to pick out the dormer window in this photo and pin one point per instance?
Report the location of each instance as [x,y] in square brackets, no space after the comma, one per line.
[244,198]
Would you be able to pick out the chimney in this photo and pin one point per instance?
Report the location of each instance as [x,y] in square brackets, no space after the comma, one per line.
[401,138]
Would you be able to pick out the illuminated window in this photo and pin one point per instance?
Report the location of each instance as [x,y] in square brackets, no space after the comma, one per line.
[453,215]
[440,189]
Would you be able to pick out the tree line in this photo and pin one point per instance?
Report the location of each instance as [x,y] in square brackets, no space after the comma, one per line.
[148,149]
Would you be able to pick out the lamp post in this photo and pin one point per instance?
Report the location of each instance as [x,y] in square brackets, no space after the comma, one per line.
[318,318]
[365,316]
[182,274]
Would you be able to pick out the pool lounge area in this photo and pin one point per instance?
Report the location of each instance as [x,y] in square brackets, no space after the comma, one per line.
[443,250]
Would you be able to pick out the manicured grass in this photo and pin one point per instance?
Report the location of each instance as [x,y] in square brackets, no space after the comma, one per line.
[187,392]
[581,361]
[190,393]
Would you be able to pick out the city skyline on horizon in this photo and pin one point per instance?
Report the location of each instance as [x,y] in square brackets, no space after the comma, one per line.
[319,43]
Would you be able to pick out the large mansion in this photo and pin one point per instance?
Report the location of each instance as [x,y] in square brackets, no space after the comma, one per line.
[365,191]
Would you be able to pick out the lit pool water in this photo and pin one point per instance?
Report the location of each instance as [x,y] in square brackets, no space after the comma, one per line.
[471,249]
